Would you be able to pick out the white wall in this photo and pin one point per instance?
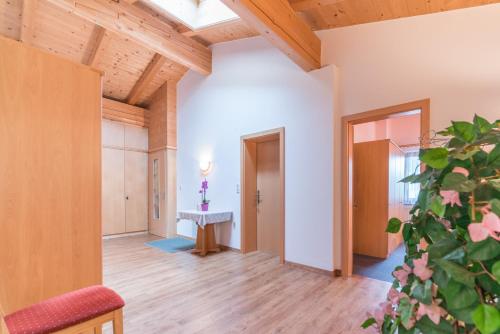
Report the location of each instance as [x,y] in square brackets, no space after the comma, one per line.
[451,58]
[254,87]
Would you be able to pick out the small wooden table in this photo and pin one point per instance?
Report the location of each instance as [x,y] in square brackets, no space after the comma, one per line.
[206,220]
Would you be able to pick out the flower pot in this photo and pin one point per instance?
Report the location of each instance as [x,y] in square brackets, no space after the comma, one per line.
[204,206]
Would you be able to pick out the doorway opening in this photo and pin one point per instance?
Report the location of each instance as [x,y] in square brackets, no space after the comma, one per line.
[263,192]
[371,194]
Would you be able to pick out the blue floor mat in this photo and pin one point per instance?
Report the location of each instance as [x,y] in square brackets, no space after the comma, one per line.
[172,245]
[380,269]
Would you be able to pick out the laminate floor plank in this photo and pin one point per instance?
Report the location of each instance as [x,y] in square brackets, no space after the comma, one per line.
[230,293]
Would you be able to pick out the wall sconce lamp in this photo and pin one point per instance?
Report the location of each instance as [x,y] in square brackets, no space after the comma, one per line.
[205,167]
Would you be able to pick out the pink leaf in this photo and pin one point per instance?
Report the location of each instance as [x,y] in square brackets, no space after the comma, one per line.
[461,170]
[477,232]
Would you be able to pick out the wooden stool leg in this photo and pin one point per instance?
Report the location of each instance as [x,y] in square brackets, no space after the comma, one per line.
[118,322]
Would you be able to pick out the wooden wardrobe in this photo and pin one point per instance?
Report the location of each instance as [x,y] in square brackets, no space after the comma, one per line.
[377,196]
[50,176]
[124,178]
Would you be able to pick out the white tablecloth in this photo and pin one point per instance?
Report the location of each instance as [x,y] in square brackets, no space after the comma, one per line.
[203,218]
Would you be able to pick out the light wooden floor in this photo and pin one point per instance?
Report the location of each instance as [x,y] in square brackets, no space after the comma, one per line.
[231,293]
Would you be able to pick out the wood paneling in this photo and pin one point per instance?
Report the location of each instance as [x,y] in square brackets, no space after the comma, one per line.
[28,21]
[224,32]
[232,293]
[50,185]
[163,116]
[125,113]
[276,21]
[326,14]
[146,30]
[11,14]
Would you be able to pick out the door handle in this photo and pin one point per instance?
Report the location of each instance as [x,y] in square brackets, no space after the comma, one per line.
[258,197]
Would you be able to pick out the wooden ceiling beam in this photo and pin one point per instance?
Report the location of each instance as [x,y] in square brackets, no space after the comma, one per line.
[122,112]
[303,5]
[277,21]
[28,21]
[149,31]
[100,41]
[147,76]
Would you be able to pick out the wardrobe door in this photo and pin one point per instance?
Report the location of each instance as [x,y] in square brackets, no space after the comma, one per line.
[136,191]
[113,204]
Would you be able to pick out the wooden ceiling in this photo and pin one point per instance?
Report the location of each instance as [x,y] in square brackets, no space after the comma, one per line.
[327,14]
[133,70]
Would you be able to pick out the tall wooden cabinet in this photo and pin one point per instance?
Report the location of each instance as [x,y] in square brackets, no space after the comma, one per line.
[125,178]
[50,176]
[377,196]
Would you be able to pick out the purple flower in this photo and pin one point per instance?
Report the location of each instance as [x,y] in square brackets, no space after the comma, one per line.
[204,185]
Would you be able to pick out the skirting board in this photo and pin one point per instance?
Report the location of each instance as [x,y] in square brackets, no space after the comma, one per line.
[312,269]
[123,235]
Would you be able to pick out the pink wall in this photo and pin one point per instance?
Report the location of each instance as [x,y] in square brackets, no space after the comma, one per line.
[403,130]
[450,57]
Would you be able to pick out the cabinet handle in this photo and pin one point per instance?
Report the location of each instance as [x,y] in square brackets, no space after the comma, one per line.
[126,197]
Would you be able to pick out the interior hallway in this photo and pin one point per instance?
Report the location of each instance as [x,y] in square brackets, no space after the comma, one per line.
[231,293]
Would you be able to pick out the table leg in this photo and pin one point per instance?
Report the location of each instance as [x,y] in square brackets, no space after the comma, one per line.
[205,240]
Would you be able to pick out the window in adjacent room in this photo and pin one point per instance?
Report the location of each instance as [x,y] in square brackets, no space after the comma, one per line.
[411,190]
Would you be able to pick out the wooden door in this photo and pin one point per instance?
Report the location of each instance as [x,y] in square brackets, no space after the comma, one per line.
[370,198]
[136,191]
[268,193]
[157,214]
[113,202]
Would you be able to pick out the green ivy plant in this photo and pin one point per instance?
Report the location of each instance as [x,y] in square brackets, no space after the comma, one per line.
[449,282]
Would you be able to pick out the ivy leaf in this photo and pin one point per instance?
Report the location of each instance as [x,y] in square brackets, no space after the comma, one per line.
[464,314]
[489,284]
[458,296]
[494,157]
[464,131]
[495,183]
[465,154]
[368,322]
[428,327]
[405,309]
[435,157]
[483,250]
[486,318]
[394,225]
[442,248]
[482,125]
[422,292]
[495,270]
[407,232]
[437,206]
[458,182]
[495,206]
[457,272]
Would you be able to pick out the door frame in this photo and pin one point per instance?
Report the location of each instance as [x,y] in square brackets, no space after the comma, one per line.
[249,185]
[347,143]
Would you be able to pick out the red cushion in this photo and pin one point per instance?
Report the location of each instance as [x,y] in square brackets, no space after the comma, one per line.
[64,311]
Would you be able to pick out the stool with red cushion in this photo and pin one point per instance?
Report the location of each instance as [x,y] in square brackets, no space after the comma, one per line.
[74,312]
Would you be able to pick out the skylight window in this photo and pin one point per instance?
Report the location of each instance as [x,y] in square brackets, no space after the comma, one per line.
[196,14]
